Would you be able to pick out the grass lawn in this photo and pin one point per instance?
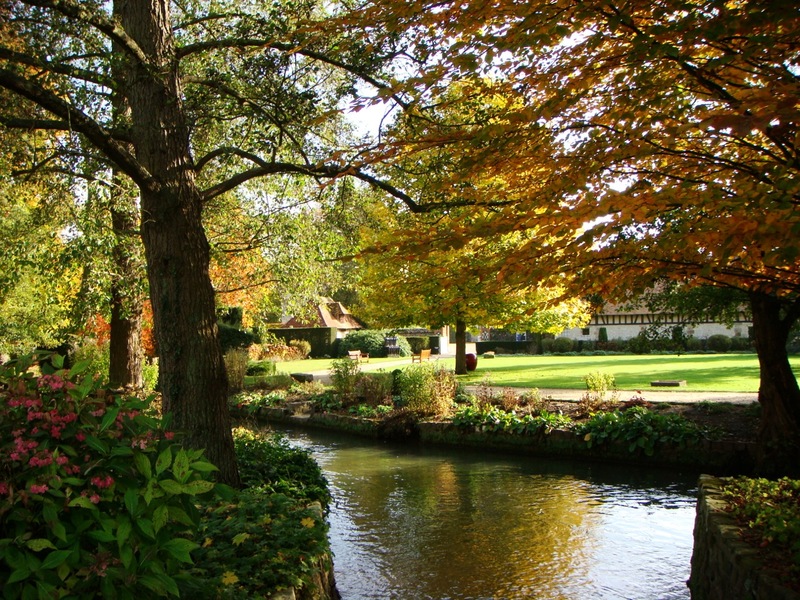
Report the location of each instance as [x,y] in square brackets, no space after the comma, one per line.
[702,372]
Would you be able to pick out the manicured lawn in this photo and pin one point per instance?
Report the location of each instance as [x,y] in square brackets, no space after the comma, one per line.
[702,372]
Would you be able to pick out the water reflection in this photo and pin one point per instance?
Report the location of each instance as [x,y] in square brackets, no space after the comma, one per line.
[413,522]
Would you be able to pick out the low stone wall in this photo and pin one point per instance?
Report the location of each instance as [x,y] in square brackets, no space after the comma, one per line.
[723,566]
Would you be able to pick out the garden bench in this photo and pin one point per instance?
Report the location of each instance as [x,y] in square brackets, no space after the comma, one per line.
[357,356]
[423,355]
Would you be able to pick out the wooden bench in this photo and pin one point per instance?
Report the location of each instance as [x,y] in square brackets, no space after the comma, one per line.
[423,355]
[357,356]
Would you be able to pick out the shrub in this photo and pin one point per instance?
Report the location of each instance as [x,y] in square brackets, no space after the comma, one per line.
[718,343]
[231,337]
[641,429]
[345,374]
[369,341]
[302,347]
[262,368]
[418,343]
[95,498]
[375,388]
[563,344]
[598,386]
[427,390]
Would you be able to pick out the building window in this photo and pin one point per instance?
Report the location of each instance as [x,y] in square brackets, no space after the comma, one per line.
[585,331]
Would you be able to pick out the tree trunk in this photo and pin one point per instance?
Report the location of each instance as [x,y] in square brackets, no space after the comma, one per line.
[125,346]
[778,394]
[461,347]
[192,375]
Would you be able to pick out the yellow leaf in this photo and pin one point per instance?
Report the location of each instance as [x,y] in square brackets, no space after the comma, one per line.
[240,538]
[308,522]
[229,578]
[207,542]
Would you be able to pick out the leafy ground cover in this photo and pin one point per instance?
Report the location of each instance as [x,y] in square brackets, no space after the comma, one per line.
[98,499]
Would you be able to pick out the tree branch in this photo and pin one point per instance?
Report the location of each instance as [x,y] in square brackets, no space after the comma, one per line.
[82,123]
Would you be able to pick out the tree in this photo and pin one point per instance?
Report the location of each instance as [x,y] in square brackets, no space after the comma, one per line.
[451,288]
[641,140]
[216,99]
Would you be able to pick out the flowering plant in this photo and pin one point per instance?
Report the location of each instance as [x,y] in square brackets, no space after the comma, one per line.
[96,498]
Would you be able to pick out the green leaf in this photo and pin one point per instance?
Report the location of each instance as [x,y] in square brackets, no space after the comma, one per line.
[180,515]
[203,466]
[83,502]
[96,444]
[181,467]
[19,575]
[198,487]
[55,559]
[146,527]
[143,465]
[59,530]
[102,536]
[132,501]
[180,549]
[109,418]
[39,544]
[171,487]
[126,555]
[160,517]
[123,531]
[164,460]
[160,583]
[79,367]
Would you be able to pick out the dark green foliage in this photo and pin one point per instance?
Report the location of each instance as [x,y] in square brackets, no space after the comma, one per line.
[268,537]
[719,343]
[602,335]
[641,429]
[369,341]
[419,343]
[770,511]
[231,337]
[494,420]
[261,368]
[269,462]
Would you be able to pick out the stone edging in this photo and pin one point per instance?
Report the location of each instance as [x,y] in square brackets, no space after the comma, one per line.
[724,566]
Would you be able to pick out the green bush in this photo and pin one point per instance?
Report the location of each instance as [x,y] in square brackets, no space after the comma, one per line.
[95,498]
[563,344]
[369,341]
[232,337]
[418,343]
[262,368]
[427,390]
[718,343]
[642,430]
[345,375]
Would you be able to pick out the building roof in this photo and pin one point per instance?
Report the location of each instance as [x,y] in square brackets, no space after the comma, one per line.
[329,314]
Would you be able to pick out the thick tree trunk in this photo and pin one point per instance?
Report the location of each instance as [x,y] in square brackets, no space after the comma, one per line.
[461,347]
[778,394]
[127,298]
[192,376]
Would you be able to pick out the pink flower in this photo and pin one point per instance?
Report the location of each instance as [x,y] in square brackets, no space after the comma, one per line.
[3,488]
[94,498]
[62,460]
[80,436]
[39,489]
[103,482]
[169,435]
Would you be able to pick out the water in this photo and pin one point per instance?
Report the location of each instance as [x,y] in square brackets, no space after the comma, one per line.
[412,523]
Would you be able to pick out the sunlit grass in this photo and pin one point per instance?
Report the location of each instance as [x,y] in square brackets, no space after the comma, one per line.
[702,372]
